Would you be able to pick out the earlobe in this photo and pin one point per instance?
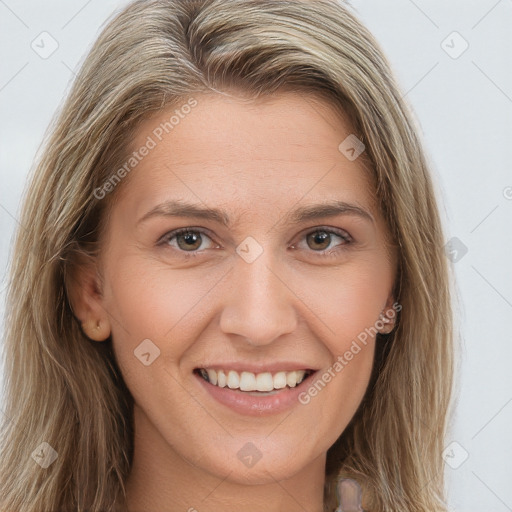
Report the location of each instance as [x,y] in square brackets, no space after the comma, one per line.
[385,324]
[96,330]
[387,317]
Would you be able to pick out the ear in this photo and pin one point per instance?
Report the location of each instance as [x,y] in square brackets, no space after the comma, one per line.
[83,286]
[387,318]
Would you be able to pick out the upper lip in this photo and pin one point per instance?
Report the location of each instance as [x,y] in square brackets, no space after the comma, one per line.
[237,366]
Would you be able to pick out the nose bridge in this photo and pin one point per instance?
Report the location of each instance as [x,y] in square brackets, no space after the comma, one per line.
[259,305]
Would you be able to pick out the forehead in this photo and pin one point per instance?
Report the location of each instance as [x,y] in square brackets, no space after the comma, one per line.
[269,153]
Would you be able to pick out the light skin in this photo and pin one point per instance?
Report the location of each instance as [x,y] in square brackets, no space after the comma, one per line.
[303,299]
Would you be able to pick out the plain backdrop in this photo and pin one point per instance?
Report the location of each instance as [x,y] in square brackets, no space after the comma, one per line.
[453,61]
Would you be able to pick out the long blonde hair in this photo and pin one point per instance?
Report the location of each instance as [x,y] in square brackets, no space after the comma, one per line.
[67,391]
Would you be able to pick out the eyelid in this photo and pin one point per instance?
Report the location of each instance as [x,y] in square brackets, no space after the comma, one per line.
[178,231]
[342,233]
[325,253]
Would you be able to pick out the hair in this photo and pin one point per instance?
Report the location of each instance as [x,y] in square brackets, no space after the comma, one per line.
[66,390]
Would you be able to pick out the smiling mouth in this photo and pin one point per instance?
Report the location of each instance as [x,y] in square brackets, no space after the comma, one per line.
[265,382]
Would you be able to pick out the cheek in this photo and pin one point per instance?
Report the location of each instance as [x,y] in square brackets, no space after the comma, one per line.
[347,300]
[149,301]
[347,303]
[154,301]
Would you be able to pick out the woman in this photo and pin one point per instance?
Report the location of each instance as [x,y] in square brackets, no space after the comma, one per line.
[229,288]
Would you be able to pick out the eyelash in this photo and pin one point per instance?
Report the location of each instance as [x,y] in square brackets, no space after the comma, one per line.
[326,253]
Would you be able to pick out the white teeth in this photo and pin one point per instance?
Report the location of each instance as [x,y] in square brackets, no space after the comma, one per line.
[233,380]
[264,382]
[299,376]
[221,379]
[291,379]
[212,376]
[248,381]
[280,380]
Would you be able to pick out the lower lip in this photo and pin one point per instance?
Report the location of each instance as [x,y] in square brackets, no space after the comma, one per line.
[250,405]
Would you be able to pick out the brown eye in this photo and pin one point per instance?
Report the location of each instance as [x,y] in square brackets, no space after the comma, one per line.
[189,241]
[321,239]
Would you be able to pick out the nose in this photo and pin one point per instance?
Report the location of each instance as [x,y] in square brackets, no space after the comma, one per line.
[259,304]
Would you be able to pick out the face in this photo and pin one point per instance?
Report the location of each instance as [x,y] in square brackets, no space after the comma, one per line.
[221,261]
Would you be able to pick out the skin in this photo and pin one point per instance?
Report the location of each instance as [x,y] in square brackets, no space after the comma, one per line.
[257,161]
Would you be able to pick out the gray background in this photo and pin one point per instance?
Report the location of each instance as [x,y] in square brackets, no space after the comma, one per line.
[462,101]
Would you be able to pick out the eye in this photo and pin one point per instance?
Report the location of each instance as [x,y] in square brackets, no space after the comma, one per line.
[186,239]
[321,240]
[193,240]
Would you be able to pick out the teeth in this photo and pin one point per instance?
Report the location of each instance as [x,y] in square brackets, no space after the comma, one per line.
[264,382]
[248,381]
[233,380]
[221,379]
[291,379]
[279,380]
[212,376]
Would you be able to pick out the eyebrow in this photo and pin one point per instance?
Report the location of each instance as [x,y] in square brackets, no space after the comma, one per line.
[179,208]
